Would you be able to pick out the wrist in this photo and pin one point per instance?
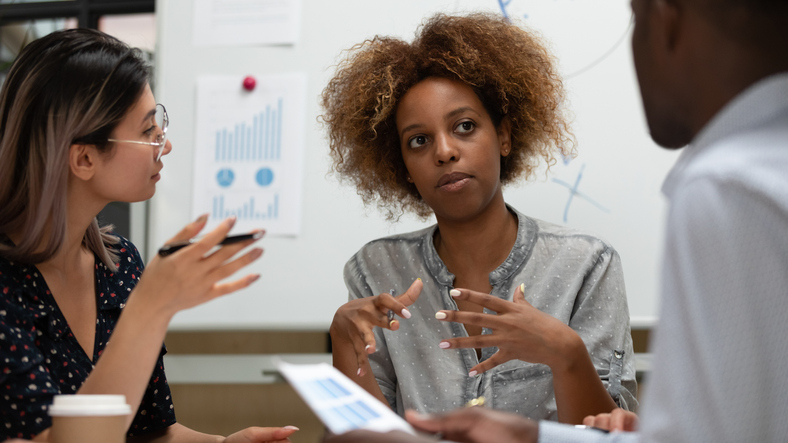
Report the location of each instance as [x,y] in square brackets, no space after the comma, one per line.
[570,351]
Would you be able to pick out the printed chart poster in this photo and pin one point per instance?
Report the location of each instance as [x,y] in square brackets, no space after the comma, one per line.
[246,22]
[249,152]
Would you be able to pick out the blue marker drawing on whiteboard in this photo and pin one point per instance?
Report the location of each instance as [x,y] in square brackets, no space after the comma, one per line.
[574,192]
[503,4]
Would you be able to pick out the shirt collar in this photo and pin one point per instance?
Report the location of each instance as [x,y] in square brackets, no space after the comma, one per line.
[750,109]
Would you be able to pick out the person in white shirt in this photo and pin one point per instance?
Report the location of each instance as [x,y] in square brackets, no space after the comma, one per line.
[713,74]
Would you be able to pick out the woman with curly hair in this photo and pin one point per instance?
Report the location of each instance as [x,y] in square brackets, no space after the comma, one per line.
[438,126]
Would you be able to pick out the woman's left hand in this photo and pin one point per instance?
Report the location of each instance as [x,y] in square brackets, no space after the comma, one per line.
[519,331]
[261,435]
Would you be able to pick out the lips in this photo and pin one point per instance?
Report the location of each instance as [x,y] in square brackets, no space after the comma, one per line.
[452,179]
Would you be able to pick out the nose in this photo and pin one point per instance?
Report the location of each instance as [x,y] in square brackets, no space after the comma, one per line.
[445,150]
[167,148]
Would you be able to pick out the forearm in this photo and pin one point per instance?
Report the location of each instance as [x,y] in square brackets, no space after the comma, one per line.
[579,391]
[344,359]
[127,362]
[174,434]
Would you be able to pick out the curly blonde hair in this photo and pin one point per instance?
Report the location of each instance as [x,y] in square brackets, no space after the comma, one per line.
[508,68]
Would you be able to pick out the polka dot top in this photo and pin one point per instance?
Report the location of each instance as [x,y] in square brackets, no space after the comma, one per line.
[40,357]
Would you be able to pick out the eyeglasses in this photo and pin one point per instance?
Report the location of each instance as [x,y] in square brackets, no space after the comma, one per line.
[162,122]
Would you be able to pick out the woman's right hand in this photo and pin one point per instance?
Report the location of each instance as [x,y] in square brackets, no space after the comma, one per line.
[354,321]
[617,420]
[192,275]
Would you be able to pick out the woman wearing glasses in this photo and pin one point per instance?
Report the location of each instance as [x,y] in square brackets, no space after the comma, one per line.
[79,128]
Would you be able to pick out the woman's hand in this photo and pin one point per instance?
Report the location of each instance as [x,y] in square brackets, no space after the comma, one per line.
[354,321]
[617,420]
[191,276]
[476,425]
[261,435]
[519,331]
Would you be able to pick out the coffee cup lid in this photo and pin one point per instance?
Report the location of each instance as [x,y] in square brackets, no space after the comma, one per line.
[85,405]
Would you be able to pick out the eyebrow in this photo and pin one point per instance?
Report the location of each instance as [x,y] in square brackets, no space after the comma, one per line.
[150,114]
[446,117]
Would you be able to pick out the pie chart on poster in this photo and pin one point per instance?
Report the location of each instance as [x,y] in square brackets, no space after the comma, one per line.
[225,177]
[264,176]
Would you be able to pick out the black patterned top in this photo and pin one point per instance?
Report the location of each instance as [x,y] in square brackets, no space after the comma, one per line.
[40,357]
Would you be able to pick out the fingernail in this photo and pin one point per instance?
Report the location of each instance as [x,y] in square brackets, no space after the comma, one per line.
[256,253]
[202,219]
[440,315]
[254,278]
[522,288]
[419,279]
[230,221]
[455,292]
[358,372]
[472,374]
[258,235]
[292,428]
[391,323]
[405,313]
[444,345]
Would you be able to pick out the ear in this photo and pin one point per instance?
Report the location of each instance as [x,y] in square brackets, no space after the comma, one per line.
[504,131]
[82,161]
[667,19]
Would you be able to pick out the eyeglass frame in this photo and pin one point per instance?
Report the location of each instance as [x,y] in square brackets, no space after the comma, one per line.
[165,123]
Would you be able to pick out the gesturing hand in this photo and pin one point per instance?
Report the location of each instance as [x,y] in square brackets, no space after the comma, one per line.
[477,425]
[617,420]
[191,275]
[519,330]
[262,435]
[354,321]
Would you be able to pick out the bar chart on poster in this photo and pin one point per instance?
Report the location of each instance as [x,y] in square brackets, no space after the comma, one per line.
[249,152]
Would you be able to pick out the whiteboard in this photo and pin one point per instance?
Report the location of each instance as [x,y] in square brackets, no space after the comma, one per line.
[301,284]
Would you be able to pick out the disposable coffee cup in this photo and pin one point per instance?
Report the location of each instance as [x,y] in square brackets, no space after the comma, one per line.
[89,419]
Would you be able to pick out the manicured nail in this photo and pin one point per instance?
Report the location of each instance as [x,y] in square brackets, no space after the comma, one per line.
[391,323]
[444,345]
[440,315]
[258,235]
[405,313]
[522,288]
[254,278]
[472,374]
[256,253]
[419,279]
[291,428]
[455,292]
[202,219]
[358,372]
[230,221]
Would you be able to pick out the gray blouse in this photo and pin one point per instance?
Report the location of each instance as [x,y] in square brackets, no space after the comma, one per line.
[568,274]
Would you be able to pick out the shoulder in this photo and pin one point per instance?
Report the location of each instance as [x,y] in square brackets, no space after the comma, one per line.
[391,247]
[568,240]
[389,253]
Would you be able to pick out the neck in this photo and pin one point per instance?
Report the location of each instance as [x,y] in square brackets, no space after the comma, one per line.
[480,243]
[80,212]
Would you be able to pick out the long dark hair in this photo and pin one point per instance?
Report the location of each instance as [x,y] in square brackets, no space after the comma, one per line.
[69,87]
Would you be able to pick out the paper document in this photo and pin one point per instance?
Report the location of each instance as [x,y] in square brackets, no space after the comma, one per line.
[339,403]
[248,152]
[246,22]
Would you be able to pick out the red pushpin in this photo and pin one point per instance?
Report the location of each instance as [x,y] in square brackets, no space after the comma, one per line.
[249,83]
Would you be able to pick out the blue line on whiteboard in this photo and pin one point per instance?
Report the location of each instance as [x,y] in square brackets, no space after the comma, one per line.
[258,139]
[503,4]
[247,210]
[574,192]
[225,177]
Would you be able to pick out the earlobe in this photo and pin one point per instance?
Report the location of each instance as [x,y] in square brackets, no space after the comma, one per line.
[505,136]
[82,161]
